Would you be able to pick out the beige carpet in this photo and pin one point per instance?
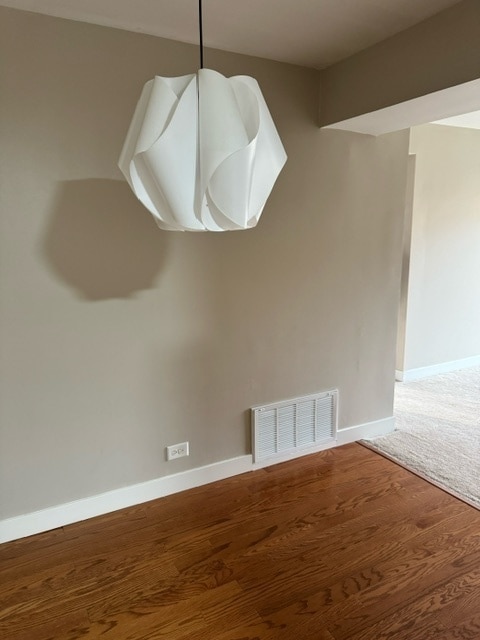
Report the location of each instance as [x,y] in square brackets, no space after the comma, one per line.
[437,432]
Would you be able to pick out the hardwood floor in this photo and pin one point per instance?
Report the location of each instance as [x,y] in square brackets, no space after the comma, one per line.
[339,545]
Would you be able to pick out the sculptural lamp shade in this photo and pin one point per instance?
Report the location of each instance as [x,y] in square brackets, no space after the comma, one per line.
[202,152]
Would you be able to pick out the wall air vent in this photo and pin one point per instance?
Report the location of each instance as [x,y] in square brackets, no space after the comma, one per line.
[286,428]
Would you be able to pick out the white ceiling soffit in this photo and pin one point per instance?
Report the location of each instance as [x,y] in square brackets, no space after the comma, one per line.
[430,108]
[312,33]
[467,120]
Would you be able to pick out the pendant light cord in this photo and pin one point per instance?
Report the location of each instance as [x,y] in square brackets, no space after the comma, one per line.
[200,25]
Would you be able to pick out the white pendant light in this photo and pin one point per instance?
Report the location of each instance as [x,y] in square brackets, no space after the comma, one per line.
[202,152]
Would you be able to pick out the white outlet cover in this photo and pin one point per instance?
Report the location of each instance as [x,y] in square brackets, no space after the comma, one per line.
[179,450]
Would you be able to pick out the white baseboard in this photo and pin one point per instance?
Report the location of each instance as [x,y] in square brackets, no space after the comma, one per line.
[367,430]
[293,453]
[436,369]
[64,514]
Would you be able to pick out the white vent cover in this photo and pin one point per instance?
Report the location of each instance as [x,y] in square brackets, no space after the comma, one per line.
[285,427]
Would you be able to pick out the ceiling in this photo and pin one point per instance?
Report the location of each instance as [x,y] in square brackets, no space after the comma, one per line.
[312,33]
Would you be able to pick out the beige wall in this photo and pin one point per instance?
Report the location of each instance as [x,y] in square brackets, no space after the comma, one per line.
[118,339]
[443,305]
[440,52]
[404,280]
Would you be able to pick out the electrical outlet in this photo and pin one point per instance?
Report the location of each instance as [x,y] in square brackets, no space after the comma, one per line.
[177,451]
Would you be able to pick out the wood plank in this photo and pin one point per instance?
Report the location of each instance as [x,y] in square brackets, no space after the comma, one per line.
[412,620]
[64,627]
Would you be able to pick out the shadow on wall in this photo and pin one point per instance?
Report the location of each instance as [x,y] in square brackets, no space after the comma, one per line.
[102,242]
